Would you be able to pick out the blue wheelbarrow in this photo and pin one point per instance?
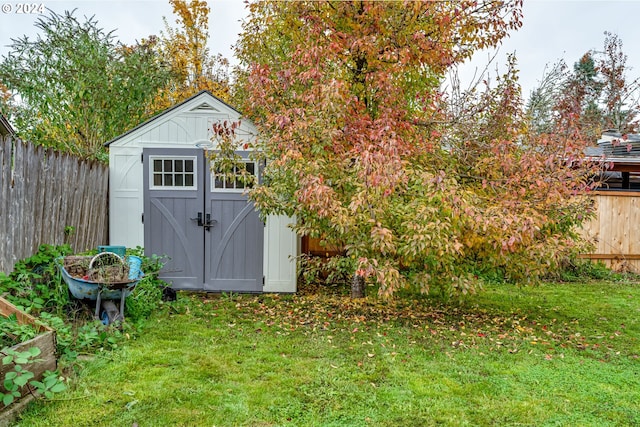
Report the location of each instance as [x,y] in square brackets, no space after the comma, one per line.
[103,278]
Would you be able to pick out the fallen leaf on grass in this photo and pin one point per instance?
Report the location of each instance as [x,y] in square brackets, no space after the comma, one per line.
[131,404]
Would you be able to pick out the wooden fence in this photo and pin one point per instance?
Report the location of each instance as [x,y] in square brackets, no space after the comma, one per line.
[47,197]
[615,230]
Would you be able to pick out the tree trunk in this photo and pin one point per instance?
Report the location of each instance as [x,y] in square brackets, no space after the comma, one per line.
[357,287]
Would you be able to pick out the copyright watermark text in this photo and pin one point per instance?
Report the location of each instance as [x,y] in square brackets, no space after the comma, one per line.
[22,8]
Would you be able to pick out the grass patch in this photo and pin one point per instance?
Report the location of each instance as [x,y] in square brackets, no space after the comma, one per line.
[557,354]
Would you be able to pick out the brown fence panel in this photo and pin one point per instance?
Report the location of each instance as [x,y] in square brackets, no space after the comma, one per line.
[47,197]
[615,230]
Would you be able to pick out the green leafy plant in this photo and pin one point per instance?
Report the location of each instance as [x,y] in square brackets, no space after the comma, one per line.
[334,270]
[64,336]
[12,332]
[230,296]
[575,270]
[147,295]
[35,282]
[76,339]
[87,337]
[51,383]
[19,376]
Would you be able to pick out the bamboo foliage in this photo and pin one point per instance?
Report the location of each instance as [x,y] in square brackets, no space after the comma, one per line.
[47,197]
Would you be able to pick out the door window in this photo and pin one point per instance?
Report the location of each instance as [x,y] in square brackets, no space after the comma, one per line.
[241,176]
[173,173]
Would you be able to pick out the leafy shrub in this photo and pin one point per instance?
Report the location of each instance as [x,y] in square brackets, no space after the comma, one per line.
[576,270]
[35,283]
[147,295]
[64,332]
[335,270]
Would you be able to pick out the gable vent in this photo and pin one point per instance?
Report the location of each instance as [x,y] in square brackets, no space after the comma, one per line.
[204,107]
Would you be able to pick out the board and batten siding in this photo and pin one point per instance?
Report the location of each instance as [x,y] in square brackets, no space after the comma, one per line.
[126,197]
[615,230]
[280,246]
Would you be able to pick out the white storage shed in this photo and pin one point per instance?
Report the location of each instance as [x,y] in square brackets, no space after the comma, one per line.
[165,196]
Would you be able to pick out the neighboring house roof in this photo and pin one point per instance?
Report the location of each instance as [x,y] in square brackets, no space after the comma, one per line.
[169,110]
[622,151]
[5,127]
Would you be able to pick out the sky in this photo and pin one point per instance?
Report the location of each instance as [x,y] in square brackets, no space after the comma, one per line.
[552,29]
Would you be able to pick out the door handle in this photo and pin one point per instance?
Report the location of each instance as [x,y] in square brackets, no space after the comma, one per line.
[198,218]
[208,223]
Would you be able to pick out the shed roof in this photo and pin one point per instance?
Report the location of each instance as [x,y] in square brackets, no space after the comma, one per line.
[202,94]
[5,126]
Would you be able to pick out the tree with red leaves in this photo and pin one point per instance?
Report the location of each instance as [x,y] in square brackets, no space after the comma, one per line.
[362,147]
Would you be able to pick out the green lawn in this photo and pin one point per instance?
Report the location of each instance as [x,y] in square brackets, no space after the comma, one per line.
[555,355]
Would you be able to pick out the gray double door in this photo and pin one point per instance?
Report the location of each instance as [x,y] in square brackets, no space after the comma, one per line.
[210,235]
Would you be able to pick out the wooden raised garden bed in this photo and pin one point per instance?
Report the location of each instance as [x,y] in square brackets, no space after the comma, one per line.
[46,361]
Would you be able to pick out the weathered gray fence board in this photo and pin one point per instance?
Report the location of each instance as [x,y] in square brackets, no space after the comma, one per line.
[5,176]
[69,210]
[40,223]
[101,177]
[95,212]
[42,194]
[57,178]
[31,196]
[76,215]
[18,207]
